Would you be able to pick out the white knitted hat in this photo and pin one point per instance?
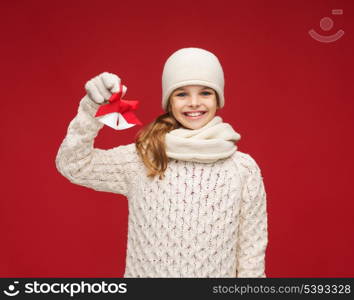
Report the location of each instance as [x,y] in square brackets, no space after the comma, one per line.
[192,66]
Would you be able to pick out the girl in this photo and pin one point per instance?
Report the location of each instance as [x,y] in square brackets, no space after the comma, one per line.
[197,205]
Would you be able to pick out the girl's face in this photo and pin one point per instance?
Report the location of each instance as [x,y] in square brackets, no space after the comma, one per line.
[193,105]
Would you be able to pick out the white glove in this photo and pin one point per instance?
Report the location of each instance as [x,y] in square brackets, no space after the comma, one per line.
[100,88]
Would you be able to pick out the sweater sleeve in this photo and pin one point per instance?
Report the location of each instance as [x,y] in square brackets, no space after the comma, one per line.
[102,170]
[253,225]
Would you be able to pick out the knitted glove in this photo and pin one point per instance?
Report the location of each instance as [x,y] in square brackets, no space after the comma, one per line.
[100,88]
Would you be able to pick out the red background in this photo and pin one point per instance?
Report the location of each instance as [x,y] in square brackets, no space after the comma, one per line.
[288,95]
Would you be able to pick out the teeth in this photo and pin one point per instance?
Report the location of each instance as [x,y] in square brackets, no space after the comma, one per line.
[194,114]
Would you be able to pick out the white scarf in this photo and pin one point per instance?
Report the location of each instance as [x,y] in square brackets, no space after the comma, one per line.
[213,141]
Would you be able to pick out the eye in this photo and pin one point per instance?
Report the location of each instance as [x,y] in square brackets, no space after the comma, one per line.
[180,94]
[206,93]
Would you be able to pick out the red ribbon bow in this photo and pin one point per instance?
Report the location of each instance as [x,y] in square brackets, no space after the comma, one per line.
[118,105]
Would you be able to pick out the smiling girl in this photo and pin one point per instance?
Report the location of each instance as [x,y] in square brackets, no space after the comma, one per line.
[197,205]
[194,106]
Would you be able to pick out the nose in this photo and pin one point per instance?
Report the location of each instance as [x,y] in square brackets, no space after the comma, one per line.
[194,101]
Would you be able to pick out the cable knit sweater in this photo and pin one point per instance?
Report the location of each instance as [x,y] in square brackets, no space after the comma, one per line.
[201,220]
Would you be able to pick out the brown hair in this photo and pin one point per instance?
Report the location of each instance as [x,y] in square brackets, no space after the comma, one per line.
[150,142]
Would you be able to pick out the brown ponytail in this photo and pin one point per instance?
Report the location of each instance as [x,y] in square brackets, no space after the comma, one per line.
[150,143]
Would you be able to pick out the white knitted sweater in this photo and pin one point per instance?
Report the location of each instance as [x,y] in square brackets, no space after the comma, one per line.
[201,220]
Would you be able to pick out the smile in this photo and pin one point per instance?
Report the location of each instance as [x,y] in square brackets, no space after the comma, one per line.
[194,115]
